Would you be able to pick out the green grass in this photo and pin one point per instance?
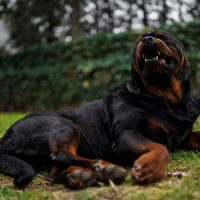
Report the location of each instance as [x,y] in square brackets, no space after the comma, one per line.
[170,188]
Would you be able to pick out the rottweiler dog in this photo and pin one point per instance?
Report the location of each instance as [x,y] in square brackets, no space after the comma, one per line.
[137,125]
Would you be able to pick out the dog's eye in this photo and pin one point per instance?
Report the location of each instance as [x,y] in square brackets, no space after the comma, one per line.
[162,37]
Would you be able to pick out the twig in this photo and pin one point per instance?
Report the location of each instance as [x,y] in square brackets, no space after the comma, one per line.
[176,174]
[113,186]
[45,178]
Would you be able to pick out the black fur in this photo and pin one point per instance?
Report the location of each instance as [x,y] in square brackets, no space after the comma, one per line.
[110,128]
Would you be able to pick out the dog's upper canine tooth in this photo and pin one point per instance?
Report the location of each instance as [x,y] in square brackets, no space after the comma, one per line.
[157,57]
[158,53]
[145,59]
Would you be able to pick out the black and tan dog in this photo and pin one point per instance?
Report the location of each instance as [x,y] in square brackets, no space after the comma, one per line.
[135,126]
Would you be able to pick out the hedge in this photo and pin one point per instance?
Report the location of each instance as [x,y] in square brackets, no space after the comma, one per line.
[59,75]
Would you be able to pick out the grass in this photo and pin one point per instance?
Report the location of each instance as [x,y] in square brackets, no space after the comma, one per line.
[170,188]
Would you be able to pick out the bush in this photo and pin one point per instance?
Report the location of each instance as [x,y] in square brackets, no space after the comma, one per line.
[61,74]
[52,76]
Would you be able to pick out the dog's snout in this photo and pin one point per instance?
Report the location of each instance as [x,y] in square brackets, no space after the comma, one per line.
[148,39]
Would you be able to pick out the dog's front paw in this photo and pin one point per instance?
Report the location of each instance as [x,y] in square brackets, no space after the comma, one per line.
[106,171]
[77,177]
[81,178]
[150,167]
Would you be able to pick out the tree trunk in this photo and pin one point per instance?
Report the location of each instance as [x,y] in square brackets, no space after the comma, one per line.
[110,16]
[142,6]
[75,30]
[96,16]
[164,12]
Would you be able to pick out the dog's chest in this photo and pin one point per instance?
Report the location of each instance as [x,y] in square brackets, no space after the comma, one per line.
[153,125]
[156,130]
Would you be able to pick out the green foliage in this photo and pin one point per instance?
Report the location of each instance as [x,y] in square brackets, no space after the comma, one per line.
[7,193]
[6,119]
[50,76]
[58,75]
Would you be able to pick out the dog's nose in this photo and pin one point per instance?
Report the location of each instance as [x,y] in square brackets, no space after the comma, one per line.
[148,39]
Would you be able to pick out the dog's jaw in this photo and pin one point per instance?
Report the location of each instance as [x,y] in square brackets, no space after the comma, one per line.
[159,65]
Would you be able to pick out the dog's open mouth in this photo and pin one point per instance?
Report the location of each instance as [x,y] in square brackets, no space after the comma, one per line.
[158,58]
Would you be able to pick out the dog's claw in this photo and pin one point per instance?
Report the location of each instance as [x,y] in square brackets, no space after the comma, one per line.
[96,167]
[134,177]
[52,156]
[137,167]
[109,169]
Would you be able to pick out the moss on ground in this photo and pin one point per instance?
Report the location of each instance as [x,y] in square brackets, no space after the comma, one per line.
[170,188]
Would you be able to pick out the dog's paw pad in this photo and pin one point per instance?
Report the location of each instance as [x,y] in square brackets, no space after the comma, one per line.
[105,171]
[79,179]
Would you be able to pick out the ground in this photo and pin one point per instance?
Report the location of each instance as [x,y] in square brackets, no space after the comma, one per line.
[172,187]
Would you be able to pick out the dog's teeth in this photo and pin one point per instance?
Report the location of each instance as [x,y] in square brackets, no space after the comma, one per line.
[157,57]
[158,53]
[145,59]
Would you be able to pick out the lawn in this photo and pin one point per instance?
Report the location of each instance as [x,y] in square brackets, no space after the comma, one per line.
[173,187]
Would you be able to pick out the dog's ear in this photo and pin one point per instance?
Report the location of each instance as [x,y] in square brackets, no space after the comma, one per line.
[184,75]
[133,71]
[136,79]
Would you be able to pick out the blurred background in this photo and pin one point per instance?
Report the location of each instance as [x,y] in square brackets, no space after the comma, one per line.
[56,54]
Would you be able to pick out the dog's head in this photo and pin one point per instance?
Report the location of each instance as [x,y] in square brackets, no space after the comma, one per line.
[159,65]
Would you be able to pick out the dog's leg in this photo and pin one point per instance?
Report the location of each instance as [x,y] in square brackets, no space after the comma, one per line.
[21,171]
[50,136]
[150,158]
[191,142]
[151,164]
[64,153]
[102,171]
[78,177]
